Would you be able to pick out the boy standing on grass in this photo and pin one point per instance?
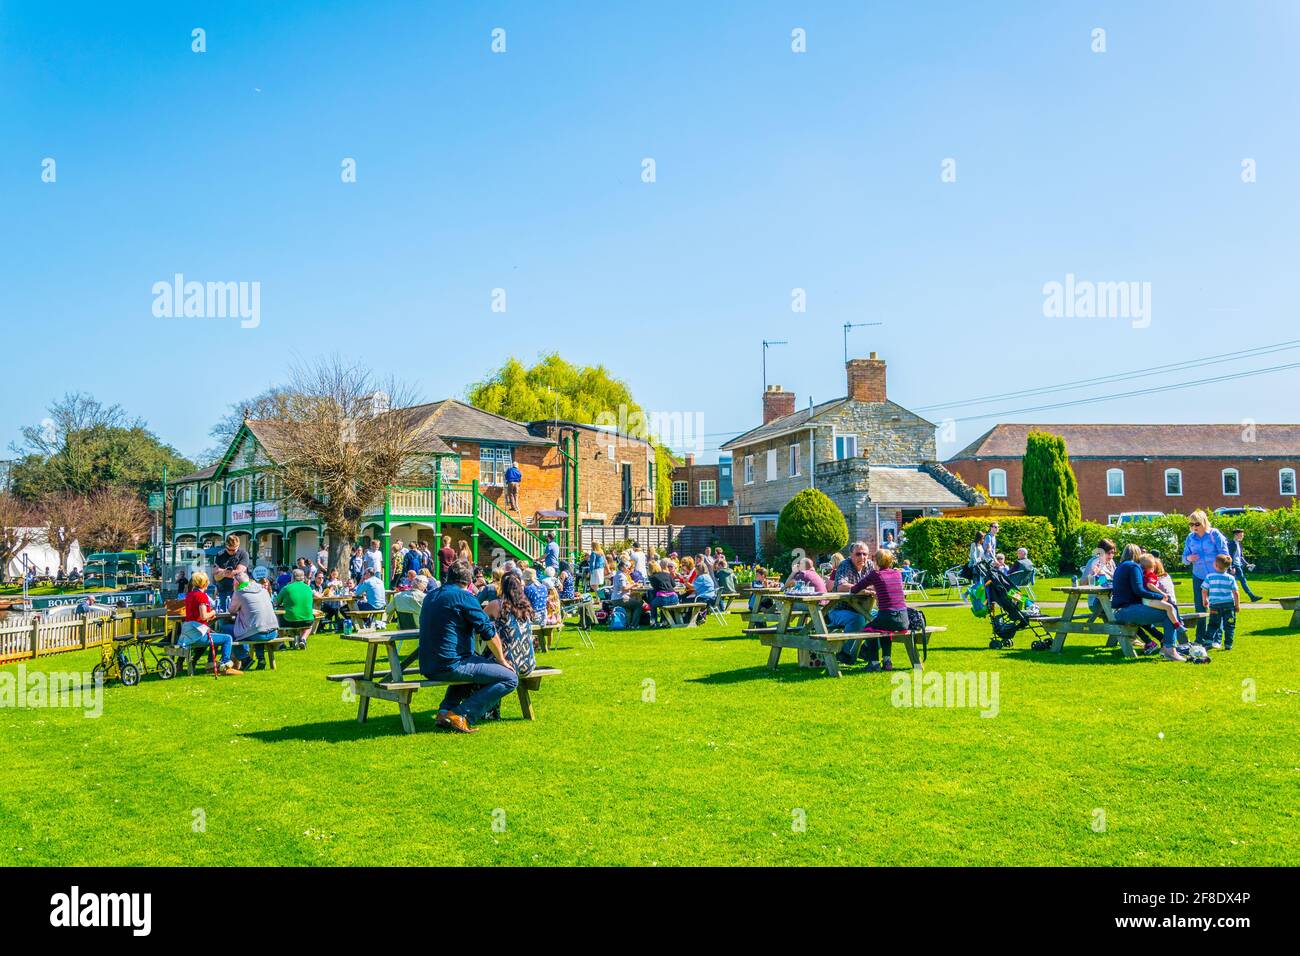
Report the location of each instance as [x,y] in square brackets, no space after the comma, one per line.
[1219,593]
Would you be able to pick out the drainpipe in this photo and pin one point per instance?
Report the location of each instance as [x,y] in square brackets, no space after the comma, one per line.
[812,448]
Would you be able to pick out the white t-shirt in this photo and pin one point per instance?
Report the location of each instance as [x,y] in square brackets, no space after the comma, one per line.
[638,559]
[323,557]
[375,559]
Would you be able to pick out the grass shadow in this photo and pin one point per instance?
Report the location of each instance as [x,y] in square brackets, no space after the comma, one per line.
[346,730]
[786,673]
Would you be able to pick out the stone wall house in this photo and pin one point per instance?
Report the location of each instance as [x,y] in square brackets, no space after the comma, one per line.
[871,456]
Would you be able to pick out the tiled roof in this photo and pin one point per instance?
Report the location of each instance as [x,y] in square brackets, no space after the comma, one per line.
[199,475]
[909,486]
[1154,441]
[452,419]
[779,426]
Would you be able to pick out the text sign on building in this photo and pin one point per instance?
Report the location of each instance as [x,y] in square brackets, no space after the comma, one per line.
[262,512]
[114,598]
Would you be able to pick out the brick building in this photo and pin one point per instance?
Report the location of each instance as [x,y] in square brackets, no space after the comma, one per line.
[701,496]
[874,458]
[616,473]
[1164,468]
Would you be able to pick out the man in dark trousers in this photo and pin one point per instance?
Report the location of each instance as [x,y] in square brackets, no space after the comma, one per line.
[1239,565]
[449,619]
[446,558]
[513,477]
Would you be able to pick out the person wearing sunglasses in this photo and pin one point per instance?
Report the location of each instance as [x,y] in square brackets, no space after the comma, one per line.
[1202,546]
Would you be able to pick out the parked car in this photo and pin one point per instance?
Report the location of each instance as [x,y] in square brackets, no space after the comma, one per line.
[1131,517]
[1228,512]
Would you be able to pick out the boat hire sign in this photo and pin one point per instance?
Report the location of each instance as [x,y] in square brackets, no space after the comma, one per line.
[112,598]
[262,511]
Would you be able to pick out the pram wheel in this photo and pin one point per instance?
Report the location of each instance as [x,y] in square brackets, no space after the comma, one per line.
[995,645]
[166,668]
[99,675]
[130,675]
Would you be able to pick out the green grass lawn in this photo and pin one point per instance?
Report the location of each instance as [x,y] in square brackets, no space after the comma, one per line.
[714,769]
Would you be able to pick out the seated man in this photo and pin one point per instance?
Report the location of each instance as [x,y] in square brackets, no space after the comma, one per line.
[370,592]
[449,619]
[295,599]
[254,618]
[410,602]
[851,570]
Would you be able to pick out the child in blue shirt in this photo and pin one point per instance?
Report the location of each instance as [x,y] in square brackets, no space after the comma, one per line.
[1221,596]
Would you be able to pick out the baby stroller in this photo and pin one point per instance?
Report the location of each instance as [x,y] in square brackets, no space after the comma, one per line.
[1008,609]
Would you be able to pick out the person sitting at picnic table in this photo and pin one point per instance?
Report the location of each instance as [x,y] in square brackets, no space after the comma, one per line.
[254,618]
[663,592]
[851,570]
[1129,590]
[554,609]
[295,599]
[723,576]
[706,593]
[535,591]
[228,564]
[196,625]
[803,573]
[566,583]
[686,575]
[492,589]
[1202,546]
[370,593]
[1098,571]
[449,620]
[620,594]
[890,612]
[409,602]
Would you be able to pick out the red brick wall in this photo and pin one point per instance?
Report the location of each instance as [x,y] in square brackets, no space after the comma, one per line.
[1144,483]
[714,514]
[541,470]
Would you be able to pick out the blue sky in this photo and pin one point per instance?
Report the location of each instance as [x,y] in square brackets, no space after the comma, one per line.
[774,171]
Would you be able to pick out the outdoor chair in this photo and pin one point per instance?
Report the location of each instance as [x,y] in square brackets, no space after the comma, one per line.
[916,585]
[956,582]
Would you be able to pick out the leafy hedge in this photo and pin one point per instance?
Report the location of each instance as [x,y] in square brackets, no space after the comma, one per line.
[811,521]
[1271,537]
[936,544]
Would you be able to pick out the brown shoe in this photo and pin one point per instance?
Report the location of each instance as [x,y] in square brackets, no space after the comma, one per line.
[454,721]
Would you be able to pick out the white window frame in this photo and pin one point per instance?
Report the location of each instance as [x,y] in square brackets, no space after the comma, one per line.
[1002,473]
[1179,473]
[1282,474]
[1115,471]
[771,464]
[1223,482]
[681,494]
[708,491]
[187,497]
[500,458]
[749,469]
[845,441]
[795,471]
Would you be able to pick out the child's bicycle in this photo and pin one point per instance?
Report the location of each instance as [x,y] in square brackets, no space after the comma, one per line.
[131,657]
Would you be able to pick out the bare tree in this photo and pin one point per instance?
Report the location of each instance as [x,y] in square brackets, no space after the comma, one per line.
[116,521]
[341,437]
[18,530]
[63,519]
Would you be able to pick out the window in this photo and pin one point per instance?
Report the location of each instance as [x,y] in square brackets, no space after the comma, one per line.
[1115,482]
[1231,482]
[269,488]
[449,467]
[846,446]
[794,461]
[1286,481]
[653,472]
[998,482]
[186,497]
[210,494]
[749,469]
[493,461]
[681,494]
[771,464]
[708,491]
[1173,482]
[241,489]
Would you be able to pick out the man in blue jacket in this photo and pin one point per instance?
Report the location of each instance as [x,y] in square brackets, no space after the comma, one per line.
[513,477]
[449,619]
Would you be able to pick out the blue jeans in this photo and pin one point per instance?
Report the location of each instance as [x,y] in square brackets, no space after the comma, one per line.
[1150,617]
[661,600]
[1240,572]
[852,622]
[242,654]
[220,640]
[1197,584]
[489,683]
[1222,624]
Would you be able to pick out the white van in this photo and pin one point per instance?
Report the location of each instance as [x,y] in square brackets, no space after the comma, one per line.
[1133,517]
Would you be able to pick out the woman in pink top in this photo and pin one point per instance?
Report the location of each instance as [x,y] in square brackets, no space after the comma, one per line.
[891,610]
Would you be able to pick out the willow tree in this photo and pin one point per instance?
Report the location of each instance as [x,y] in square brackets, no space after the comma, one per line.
[339,437]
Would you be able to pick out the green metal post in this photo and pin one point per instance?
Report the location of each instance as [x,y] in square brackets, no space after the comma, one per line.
[474,520]
[437,520]
[388,534]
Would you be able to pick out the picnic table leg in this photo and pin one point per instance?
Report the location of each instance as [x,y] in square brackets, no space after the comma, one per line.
[909,641]
[1126,642]
[832,665]
[527,684]
[1295,615]
[368,674]
[404,708]
[1067,615]
[270,656]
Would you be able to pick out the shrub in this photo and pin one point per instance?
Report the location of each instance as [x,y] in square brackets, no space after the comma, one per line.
[1048,484]
[936,544]
[811,521]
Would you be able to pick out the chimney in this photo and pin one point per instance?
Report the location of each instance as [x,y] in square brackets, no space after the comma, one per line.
[690,459]
[866,379]
[777,404]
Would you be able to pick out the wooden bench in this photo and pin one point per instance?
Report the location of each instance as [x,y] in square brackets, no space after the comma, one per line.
[544,635]
[269,644]
[826,646]
[683,614]
[369,620]
[401,692]
[297,634]
[1291,604]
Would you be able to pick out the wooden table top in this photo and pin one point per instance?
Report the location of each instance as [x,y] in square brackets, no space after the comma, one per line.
[381,637]
[1082,589]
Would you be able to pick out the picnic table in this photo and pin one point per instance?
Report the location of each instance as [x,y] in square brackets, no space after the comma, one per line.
[1073,621]
[801,625]
[1291,604]
[399,685]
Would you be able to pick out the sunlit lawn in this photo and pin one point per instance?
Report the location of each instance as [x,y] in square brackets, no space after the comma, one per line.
[680,747]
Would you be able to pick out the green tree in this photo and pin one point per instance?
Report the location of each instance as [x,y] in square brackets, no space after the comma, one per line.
[811,521]
[1049,486]
[84,447]
[556,388]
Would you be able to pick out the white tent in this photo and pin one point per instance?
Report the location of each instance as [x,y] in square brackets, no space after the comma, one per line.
[42,556]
